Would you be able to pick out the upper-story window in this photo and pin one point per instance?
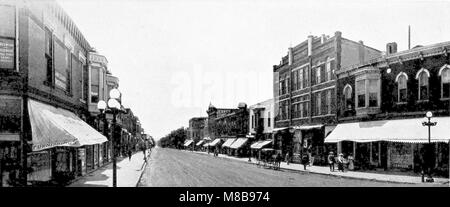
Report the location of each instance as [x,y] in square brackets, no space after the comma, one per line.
[49,56]
[294,80]
[444,72]
[361,93]
[423,76]
[373,92]
[328,68]
[268,119]
[348,97]
[402,86]
[95,85]
[318,75]
[300,78]
[318,103]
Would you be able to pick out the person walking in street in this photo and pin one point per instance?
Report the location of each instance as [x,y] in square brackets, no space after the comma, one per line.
[331,161]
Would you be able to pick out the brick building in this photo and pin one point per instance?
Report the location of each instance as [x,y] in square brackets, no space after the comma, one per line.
[383,102]
[43,89]
[304,91]
[231,126]
[198,128]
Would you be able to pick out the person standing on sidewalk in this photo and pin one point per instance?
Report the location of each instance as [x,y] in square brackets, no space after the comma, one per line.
[129,154]
[331,161]
[305,160]
[287,158]
[340,162]
[351,165]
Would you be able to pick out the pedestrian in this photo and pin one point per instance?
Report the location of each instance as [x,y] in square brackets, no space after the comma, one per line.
[340,161]
[129,154]
[305,160]
[287,158]
[278,161]
[331,161]
[351,160]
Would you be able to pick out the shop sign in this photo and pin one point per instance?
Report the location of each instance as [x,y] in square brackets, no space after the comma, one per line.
[6,53]
[401,155]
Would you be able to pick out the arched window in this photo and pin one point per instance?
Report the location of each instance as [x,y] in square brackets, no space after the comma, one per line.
[348,97]
[401,80]
[423,76]
[444,72]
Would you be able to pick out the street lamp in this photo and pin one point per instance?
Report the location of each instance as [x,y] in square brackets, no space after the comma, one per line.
[113,107]
[429,124]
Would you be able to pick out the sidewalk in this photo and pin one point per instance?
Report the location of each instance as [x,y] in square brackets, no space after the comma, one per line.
[128,173]
[347,174]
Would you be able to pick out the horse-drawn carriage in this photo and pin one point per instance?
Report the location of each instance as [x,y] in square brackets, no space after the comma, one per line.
[268,158]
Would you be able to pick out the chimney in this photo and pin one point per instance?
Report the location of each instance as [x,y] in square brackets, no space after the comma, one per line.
[391,48]
[361,52]
[290,56]
[310,39]
[323,38]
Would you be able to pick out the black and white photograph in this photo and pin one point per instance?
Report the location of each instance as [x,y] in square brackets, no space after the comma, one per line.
[233,93]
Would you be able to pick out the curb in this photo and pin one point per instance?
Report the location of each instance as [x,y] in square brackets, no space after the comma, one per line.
[330,174]
[142,173]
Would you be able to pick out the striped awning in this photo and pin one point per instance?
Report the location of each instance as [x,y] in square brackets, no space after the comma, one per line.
[199,143]
[260,144]
[229,142]
[188,142]
[239,143]
[402,130]
[214,143]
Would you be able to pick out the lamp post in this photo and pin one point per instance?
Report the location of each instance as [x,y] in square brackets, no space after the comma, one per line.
[429,124]
[113,107]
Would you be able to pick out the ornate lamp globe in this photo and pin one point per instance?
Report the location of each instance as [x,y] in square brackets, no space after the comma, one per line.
[429,114]
[101,105]
[113,103]
[114,93]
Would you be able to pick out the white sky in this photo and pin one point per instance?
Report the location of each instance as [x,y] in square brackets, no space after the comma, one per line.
[174,57]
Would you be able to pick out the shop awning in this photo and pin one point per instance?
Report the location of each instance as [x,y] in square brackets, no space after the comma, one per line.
[318,126]
[52,127]
[260,144]
[403,130]
[199,143]
[239,143]
[187,143]
[229,142]
[255,145]
[214,143]
[279,129]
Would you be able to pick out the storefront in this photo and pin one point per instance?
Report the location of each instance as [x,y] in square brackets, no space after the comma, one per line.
[258,146]
[393,144]
[10,125]
[226,145]
[240,147]
[283,140]
[63,137]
